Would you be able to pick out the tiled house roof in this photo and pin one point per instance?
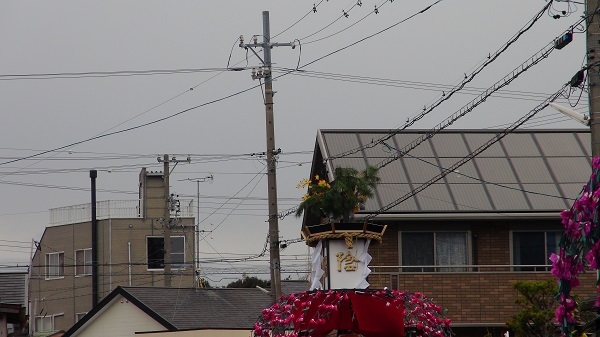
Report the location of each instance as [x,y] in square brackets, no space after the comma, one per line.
[528,171]
[12,288]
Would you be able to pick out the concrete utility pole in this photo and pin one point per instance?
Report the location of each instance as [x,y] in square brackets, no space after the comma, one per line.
[593,51]
[593,56]
[167,214]
[265,72]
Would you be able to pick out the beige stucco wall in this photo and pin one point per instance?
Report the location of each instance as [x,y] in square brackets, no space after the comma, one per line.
[120,319]
[71,294]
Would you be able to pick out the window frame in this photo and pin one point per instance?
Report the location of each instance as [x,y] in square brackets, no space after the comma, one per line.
[61,266]
[435,267]
[80,315]
[51,319]
[542,267]
[173,266]
[86,265]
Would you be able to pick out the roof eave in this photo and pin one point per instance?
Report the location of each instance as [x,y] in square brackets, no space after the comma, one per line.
[460,216]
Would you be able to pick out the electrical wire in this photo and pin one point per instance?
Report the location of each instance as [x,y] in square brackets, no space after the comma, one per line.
[470,156]
[345,13]
[236,206]
[441,168]
[131,128]
[375,11]
[506,80]
[218,99]
[466,80]
[427,86]
[312,10]
[238,192]
[117,73]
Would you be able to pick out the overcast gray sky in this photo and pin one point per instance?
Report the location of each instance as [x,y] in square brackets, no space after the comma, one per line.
[437,47]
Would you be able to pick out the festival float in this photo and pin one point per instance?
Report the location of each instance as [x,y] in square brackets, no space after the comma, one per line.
[339,302]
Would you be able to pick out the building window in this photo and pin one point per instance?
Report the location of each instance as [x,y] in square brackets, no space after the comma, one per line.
[156,252]
[532,249]
[45,323]
[79,316]
[83,262]
[55,265]
[443,249]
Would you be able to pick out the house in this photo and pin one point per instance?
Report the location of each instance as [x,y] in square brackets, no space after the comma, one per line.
[466,238]
[13,303]
[128,311]
[131,252]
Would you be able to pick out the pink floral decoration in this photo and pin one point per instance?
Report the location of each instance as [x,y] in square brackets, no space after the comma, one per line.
[295,311]
[579,248]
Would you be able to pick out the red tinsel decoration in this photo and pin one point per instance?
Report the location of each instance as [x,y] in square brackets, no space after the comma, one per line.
[371,313]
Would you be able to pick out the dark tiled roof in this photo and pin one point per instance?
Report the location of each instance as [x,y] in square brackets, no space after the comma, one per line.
[294,287]
[189,308]
[209,308]
[527,171]
[12,288]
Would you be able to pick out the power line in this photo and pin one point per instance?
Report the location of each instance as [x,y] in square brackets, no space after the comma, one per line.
[375,11]
[427,86]
[506,80]
[238,192]
[234,208]
[116,73]
[371,35]
[345,13]
[466,80]
[131,128]
[103,135]
[312,10]
[472,155]
[482,180]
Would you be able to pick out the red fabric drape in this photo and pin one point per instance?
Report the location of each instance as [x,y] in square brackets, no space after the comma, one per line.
[368,315]
[377,317]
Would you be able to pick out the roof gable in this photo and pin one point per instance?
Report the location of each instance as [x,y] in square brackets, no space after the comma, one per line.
[189,308]
[119,317]
[119,296]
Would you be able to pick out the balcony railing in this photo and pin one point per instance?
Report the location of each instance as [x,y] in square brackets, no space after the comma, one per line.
[460,269]
[110,209]
[471,294]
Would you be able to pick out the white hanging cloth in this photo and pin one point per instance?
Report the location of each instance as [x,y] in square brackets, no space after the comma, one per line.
[366,258]
[316,271]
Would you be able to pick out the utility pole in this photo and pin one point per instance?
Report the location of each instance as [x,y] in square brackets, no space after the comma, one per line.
[197,236]
[593,56]
[593,53]
[265,72]
[167,214]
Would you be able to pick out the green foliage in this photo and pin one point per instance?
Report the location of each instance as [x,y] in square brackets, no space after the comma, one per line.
[204,283]
[536,317]
[249,282]
[340,198]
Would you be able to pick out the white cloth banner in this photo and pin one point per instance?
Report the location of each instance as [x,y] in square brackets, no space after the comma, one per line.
[348,267]
[316,271]
[366,258]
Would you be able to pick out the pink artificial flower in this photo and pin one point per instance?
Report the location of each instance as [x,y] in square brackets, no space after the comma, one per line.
[572,229]
[566,215]
[596,163]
